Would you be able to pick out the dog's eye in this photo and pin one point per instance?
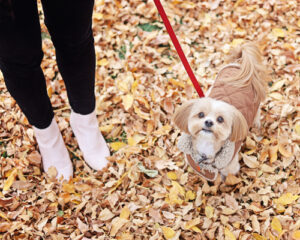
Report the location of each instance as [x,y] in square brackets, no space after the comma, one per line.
[201,115]
[220,119]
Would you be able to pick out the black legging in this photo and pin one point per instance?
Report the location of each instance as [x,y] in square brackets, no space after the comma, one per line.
[70,25]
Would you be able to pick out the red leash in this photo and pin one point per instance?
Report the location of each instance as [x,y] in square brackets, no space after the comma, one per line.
[178,47]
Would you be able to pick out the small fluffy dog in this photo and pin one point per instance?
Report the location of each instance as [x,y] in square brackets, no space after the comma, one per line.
[229,110]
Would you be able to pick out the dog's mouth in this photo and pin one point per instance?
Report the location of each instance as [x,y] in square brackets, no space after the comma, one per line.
[206,130]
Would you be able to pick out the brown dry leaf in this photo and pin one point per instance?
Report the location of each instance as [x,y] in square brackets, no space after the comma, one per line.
[4,227]
[282,149]
[139,83]
[273,153]
[155,214]
[82,226]
[106,214]
[250,161]
[116,224]
[232,180]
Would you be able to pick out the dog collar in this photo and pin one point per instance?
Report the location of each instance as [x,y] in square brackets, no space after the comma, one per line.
[205,171]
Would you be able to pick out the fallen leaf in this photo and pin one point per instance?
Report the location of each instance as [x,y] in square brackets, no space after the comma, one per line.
[276,225]
[82,226]
[228,234]
[192,223]
[106,214]
[209,211]
[273,153]
[127,101]
[258,237]
[168,232]
[4,227]
[9,181]
[117,145]
[125,213]
[232,180]
[190,195]
[286,198]
[278,32]
[172,175]
[117,223]
[148,172]
[296,235]
[250,161]
[282,149]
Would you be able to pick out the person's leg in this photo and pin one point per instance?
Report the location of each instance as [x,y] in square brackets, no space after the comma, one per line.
[70,25]
[20,58]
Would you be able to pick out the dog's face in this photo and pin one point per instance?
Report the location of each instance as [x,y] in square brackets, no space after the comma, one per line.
[210,122]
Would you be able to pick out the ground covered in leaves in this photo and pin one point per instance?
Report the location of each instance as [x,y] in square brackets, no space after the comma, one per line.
[148,191]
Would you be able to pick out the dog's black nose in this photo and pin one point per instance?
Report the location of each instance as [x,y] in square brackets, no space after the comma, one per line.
[209,123]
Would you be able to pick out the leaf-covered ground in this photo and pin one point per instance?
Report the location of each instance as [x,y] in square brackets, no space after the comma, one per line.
[139,83]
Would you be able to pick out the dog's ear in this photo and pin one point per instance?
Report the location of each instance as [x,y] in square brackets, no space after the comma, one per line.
[239,127]
[182,114]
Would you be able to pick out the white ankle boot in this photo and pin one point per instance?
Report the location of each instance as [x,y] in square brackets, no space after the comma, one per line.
[53,150]
[90,140]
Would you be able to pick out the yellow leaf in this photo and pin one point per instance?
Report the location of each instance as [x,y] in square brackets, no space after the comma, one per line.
[298,23]
[172,175]
[297,128]
[286,199]
[276,96]
[4,216]
[21,176]
[229,235]
[97,16]
[69,188]
[237,41]
[190,195]
[102,62]
[118,183]
[192,223]
[238,2]
[106,128]
[9,181]
[135,139]
[280,208]
[168,232]
[296,234]
[134,86]
[178,187]
[258,237]
[127,101]
[175,192]
[196,229]
[209,211]
[276,225]
[176,83]
[117,145]
[125,213]
[163,130]
[278,32]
